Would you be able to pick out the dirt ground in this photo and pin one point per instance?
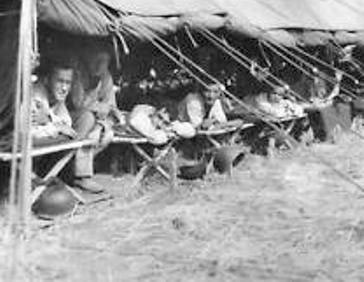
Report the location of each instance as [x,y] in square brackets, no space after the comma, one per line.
[288,218]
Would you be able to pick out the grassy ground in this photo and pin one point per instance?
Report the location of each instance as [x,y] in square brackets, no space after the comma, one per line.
[289,218]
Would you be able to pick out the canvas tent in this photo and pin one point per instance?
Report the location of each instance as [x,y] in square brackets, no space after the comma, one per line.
[290,22]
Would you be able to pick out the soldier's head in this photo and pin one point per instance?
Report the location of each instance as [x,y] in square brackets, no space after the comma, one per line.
[60,81]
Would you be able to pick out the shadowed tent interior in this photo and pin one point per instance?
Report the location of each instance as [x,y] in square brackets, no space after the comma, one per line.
[9,22]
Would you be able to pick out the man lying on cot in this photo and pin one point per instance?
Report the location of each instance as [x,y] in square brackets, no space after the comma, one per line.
[156,125]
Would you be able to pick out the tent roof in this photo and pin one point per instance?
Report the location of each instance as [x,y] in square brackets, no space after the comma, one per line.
[249,17]
[265,14]
[301,14]
[164,7]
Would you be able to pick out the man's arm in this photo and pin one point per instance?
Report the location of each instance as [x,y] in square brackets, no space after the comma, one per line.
[336,90]
[40,106]
[195,110]
[106,98]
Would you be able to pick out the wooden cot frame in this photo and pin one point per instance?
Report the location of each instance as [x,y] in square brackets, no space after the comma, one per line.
[70,148]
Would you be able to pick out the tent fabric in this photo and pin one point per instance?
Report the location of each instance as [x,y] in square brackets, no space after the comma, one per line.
[346,37]
[264,14]
[8,62]
[299,14]
[77,17]
[253,18]
[161,8]
[280,37]
[313,38]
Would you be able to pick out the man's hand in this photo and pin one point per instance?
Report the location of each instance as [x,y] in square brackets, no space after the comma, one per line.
[91,96]
[40,115]
[68,131]
[101,113]
[339,75]
[118,116]
[208,123]
[40,118]
[95,133]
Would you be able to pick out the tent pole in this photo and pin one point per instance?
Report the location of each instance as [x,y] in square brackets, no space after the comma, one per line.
[24,81]
[20,189]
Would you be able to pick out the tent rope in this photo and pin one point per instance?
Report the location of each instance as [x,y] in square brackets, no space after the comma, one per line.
[306,72]
[354,60]
[239,56]
[275,47]
[261,115]
[257,112]
[318,60]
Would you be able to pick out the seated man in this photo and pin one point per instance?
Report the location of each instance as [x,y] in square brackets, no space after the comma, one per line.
[50,116]
[93,97]
[321,95]
[93,104]
[206,109]
[216,104]
[192,109]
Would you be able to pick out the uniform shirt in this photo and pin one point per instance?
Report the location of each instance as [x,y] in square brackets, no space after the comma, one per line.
[192,109]
[93,94]
[58,114]
[217,112]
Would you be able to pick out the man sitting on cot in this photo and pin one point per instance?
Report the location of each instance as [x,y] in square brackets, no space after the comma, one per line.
[93,98]
[93,105]
[204,110]
[321,96]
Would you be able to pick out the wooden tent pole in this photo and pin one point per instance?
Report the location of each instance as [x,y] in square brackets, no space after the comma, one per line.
[20,194]
[28,8]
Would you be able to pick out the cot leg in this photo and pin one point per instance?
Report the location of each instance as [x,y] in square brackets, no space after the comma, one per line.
[140,176]
[271,146]
[151,163]
[54,172]
[174,169]
[59,165]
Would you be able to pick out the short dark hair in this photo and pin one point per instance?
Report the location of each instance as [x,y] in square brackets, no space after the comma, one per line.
[61,64]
